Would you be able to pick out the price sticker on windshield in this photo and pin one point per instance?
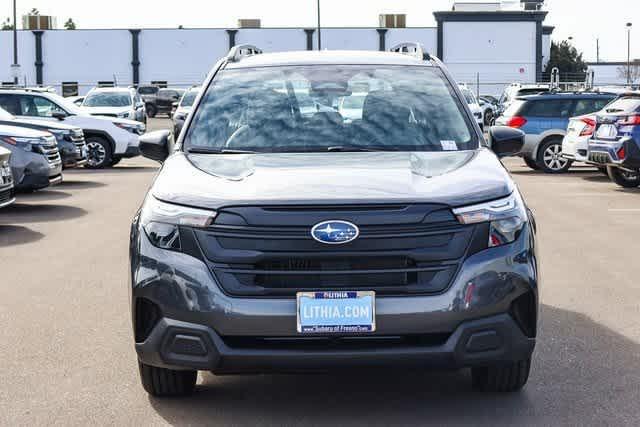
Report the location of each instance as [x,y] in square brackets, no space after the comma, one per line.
[448,145]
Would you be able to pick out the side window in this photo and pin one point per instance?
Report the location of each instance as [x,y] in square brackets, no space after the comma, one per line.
[585,106]
[38,106]
[11,103]
[601,103]
[551,109]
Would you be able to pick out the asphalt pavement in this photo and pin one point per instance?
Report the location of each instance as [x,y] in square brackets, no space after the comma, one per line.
[67,356]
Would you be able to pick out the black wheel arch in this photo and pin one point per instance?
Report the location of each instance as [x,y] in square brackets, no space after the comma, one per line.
[101,134]
[548,138]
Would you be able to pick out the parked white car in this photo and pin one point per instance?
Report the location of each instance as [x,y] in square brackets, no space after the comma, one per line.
[515,90]
[474,106]
[575,145]
[124,103]
[108,139]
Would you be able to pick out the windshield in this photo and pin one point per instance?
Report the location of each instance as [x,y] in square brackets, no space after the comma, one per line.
[624,105]
[5,115]
[189,98]
[513,108]
[107,99]
[310,109]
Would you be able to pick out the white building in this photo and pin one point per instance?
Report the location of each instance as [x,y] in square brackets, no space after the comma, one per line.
[484,43]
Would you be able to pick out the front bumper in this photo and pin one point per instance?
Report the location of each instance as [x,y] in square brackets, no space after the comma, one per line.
[200,327]
[605,153]
[7,195]
[131,151]
[182,345]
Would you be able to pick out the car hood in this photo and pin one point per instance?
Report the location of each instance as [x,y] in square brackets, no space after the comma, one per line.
[39,124]
[213,181]
[22,132]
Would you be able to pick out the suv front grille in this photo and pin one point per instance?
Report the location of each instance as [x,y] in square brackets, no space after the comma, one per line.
[599,157]
[418,250]
[6,195]
[50,151]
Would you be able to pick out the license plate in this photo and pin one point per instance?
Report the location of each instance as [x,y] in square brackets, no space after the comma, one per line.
[607,131]
[336,312]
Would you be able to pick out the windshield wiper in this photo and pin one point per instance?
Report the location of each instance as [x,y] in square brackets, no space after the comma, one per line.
[355,148]
[218,151]
[615,110]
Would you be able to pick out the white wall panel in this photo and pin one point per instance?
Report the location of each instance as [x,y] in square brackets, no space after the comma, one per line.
[86,56]
[350,39]
[26,56]
[273,39]
[180,57]
[498,52]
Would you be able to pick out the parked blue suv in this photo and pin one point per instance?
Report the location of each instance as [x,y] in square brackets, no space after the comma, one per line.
[544,119]
[616,142]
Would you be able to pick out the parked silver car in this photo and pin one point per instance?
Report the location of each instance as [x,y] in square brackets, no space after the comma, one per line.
[6,179]
[35,160]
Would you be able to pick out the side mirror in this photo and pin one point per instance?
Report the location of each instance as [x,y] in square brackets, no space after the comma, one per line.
[58,115]
[156,145]
[506,141]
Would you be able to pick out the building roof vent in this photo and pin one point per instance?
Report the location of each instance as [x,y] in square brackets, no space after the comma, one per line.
[249,23]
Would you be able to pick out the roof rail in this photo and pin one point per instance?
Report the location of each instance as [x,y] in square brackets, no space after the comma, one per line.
[413,49]
[240,51]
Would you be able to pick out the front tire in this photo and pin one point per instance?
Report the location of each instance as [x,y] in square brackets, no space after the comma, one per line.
[506,378]
[162,382]
[550,157]
[531,163]
[623,178]
[99,153]
[489,118]
[151,110]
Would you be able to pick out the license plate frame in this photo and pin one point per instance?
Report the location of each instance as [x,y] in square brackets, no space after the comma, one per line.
[336,312]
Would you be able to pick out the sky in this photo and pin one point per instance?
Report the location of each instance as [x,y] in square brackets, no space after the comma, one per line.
[579,19]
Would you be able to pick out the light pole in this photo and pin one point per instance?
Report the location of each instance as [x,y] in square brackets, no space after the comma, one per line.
[319,35]
[15,43]
[629,25]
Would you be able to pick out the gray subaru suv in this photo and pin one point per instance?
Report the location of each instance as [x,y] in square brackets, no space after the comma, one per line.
[277,238]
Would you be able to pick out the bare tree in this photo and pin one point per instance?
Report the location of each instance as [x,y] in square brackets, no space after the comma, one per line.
[630,73]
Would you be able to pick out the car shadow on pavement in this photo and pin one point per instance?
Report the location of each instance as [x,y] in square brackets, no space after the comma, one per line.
[42,195]
[79,185]
[12,235]
[21,213]
[583,374]
[123,169]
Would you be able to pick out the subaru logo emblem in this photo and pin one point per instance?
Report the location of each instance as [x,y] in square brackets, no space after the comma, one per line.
[335,232]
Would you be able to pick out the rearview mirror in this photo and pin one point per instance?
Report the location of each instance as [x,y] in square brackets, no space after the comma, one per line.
[506,141]
[156,145]
[58,115]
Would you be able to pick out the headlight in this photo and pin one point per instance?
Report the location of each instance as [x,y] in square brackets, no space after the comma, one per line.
[138,128]
[60,134]
[25,143]
[506,216]
[161,220]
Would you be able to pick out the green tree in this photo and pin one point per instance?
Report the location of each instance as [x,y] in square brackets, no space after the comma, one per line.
[70,25]
[567,59]
[6,25]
